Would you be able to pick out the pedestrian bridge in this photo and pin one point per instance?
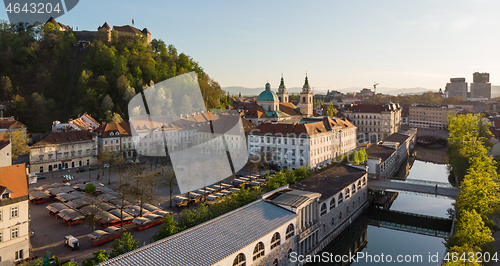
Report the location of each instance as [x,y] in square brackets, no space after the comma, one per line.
[410,222]
[415,186]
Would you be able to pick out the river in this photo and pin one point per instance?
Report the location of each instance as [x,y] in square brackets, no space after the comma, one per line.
[373,240]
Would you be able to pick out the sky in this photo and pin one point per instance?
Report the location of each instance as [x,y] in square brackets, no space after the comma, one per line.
[340,44]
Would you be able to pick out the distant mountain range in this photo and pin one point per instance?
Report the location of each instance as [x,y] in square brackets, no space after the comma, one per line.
[235,90]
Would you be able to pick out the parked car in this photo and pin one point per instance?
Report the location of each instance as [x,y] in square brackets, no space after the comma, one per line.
[71,242]
[93,168]
[68,177]
[81,170]
[106,166]
[41,177]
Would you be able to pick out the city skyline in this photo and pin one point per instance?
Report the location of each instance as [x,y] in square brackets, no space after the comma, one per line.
[339,45]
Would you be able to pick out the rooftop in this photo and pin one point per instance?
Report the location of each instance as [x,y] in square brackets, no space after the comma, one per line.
[224,235]
[122,128]
[373,108]
[379,151]
[291,197]
[14,178]
[330,181]
[397,137]
[65,137]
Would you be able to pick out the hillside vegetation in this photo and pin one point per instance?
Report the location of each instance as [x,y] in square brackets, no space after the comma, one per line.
[37,64]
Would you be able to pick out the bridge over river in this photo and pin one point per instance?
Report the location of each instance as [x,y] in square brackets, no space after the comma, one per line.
[430,188]
[410,222]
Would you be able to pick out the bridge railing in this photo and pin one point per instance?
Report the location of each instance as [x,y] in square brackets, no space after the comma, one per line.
[424,182]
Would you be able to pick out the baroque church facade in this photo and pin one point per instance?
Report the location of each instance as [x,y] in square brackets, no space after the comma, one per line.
[276,107]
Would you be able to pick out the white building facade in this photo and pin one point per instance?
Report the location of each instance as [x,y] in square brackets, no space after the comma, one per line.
[14,214]
[295,145]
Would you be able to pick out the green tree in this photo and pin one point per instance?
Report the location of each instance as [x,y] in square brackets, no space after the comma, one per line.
[123,245]
[99,256]
[331,110]
[470,230]
[117,118]
[90,188]
[19,143]
[168,227]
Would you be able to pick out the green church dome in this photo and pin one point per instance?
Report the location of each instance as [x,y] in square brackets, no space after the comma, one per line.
[268,96]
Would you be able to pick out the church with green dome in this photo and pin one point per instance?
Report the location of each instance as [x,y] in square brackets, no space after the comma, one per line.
[275,107]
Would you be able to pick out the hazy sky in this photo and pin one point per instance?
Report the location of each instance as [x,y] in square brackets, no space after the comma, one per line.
[400,44]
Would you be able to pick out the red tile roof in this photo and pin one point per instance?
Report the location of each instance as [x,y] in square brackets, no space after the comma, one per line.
[105,128]
[14,178]
[4,140]
[65,137]
[256,111]
[10,123]
[369,108]
[289,108]
[127,29]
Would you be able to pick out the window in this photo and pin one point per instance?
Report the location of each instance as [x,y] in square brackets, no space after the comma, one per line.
[359,185]
[341,198]
[333,221]
[14,233]
[347,193]
[239,260]
[14,212]
[290,231]
[332,203]
[323,209]
[0,237]
[275,262]
[353,188]
[258,251]
[275,241]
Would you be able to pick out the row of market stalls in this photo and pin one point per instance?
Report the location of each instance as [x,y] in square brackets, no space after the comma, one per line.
[212,193]
[73,205]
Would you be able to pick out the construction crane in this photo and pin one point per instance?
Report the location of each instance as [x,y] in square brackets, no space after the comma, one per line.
[375,87]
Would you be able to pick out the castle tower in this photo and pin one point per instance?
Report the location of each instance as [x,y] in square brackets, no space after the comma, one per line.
[306,99]
[282,93]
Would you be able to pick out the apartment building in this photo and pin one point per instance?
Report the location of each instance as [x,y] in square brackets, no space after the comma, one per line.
[374,121]
[62,150]
[430,116]
[296,220]
[116,137]
[385,158]
[294,145]
[14,214]
[457,87]
[5,150]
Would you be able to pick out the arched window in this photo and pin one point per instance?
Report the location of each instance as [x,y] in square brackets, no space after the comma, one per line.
[275,241]
[304,99]
[239,260]
[333,220]
[359,185]
[275,262]
[258,251]
[340,215]
[364,180]
[290,231]
[323,209]
[289,253]
[341,198]
[347,192]
[332,203]
[353,187]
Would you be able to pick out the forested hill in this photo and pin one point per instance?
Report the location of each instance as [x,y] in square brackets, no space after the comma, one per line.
[37,64]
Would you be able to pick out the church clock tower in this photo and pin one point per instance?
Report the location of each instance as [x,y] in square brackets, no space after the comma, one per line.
[282,93]
[306,99]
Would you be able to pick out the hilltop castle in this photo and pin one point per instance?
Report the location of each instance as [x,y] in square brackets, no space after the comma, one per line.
[89,36]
